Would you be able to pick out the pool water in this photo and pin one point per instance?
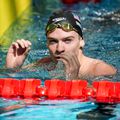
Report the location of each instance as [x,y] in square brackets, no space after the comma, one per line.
[50,110]
[101,29]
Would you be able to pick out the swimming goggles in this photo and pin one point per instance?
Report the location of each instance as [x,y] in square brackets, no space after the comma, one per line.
[64,25]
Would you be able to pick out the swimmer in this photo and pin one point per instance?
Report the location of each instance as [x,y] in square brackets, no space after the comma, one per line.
[65,43]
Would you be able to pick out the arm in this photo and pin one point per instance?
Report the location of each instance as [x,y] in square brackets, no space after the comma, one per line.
[17,53]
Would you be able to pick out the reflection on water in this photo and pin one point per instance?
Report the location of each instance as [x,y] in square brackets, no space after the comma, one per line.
[103,111]
[49,109]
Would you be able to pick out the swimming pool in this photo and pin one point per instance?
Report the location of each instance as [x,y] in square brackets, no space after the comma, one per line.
[101,27]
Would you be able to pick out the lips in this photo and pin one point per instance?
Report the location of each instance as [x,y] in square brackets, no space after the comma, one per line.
[58,57]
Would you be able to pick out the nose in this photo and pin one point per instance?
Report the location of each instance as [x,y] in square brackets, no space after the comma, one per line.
[60,48]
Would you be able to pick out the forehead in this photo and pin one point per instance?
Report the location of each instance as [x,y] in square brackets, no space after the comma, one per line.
[59,33]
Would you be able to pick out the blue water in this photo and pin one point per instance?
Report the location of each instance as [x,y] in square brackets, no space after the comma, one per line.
[101,29]
[50,110]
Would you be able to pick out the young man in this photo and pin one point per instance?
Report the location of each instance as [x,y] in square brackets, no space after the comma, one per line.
[65,43]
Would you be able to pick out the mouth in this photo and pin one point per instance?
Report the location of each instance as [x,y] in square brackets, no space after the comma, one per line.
[57,57]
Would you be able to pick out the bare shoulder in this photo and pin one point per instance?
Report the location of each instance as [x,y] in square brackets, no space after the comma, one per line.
[102,68]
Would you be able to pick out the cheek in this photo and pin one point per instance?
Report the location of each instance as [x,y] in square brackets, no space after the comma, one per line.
[52,48]
[74,47]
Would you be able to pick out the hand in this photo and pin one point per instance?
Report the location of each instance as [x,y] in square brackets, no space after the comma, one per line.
[72,65]
[17,53]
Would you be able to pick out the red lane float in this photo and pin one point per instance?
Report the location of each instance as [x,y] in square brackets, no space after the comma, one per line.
[8,87]
[25,88]
[30,86]
[66,89]
[100,91]
[107,91]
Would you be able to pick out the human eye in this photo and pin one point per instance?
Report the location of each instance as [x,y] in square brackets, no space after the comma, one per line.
[52,41]
[68,40]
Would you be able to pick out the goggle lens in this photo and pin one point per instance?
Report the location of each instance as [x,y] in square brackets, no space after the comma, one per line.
[64,25]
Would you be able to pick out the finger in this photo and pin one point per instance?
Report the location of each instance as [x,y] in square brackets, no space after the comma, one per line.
[66,61]
[26,43]
[74,67]
[21,43]
[66,64]
[70,67]
[29,42]
[75,61]
[71,61]
[68,58]
[27,51]
[15,45]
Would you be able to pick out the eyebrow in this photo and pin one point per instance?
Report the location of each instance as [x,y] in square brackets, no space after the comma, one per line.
[69,37]
[62,38]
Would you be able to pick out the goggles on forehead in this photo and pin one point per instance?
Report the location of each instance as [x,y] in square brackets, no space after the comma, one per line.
[63,25]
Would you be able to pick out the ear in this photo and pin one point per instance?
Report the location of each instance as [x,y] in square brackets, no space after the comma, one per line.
[82,43]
